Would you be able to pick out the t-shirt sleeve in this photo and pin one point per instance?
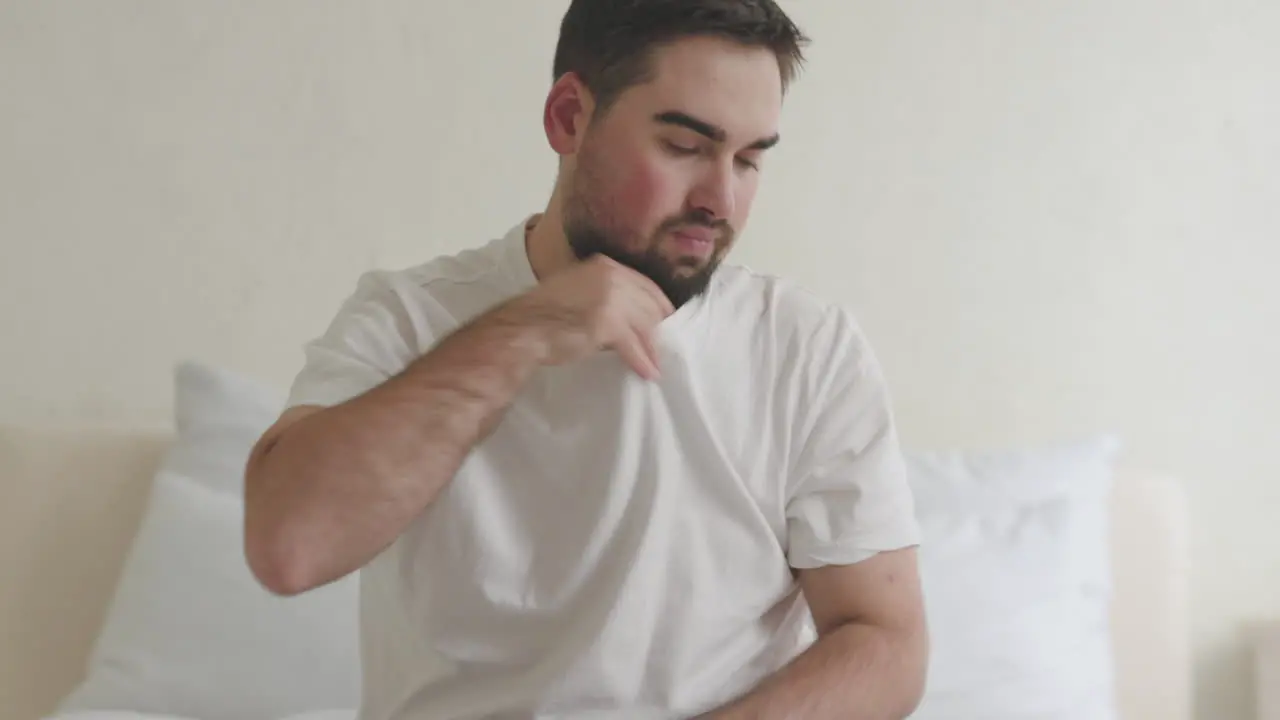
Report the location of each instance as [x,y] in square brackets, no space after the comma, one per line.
[370,339]
[849,498]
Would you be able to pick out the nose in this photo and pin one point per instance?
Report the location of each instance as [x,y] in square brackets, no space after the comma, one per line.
[714,193]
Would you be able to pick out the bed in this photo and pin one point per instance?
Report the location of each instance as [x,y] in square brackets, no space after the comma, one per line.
[71,501]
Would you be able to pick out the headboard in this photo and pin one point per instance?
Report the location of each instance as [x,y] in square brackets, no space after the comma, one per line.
[70,501]
[1150,614]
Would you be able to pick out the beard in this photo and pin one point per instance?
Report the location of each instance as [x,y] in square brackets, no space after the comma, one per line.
[680,279]
[590,233]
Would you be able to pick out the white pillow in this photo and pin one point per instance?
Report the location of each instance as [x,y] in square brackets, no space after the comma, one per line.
[1015,565]
[218,416]
[190,632]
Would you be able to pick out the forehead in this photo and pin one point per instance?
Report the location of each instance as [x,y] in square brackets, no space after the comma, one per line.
[718,81]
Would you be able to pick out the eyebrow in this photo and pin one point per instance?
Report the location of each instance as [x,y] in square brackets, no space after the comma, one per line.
[708,130]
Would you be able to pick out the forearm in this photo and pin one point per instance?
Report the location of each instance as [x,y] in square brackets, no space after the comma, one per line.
[855,672]
[338,486]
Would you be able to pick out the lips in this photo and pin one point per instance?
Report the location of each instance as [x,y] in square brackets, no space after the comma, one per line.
[699,245]
[697,234]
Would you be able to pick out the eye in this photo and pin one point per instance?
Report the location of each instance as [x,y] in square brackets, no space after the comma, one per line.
[746,163]
[679,149]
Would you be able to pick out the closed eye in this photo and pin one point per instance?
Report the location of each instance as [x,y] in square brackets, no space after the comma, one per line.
[680,149]
[684,151]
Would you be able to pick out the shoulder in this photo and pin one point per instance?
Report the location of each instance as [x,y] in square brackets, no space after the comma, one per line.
[454,285]
[419,303]
[785,314]
[471,269]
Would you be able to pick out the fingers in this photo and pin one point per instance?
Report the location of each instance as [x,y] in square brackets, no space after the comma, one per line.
[634,341]
[638,352]
[652,293]
[638,280]
[639,339]
[648,314]
[634,310]
[647,345]
[658,297]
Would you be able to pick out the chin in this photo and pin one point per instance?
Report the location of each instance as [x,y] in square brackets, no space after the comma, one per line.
[685,270]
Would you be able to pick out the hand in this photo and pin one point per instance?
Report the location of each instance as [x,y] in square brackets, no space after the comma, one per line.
[597,304]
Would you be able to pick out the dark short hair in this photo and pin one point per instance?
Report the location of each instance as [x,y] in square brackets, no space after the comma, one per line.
[608,42]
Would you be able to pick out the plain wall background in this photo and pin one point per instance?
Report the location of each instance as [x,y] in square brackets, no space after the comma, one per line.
[1052,217]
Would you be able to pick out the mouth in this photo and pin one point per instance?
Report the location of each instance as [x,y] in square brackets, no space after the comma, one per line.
[695,240]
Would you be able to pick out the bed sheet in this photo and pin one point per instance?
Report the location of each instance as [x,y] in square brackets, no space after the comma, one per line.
[334,714]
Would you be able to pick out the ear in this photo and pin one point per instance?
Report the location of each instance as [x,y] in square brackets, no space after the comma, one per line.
[567,113]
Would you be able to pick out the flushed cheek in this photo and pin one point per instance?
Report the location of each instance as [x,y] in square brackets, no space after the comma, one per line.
[647,196]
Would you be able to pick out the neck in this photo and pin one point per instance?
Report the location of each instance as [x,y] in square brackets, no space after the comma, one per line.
[546,243]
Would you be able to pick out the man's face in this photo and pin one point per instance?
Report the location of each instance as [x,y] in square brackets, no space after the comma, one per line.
[664,181]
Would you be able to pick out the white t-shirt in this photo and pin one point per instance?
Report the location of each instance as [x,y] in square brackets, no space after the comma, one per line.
[619,547]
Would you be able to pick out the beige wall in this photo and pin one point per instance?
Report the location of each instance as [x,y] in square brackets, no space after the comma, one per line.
[1052,217]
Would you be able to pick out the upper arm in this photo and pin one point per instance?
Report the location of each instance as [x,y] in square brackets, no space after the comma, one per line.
[369,339]
[848,499]
[883,591]
[372,337]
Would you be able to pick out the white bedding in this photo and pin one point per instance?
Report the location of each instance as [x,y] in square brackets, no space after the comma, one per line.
[190,632]
[188,674]
[134,715]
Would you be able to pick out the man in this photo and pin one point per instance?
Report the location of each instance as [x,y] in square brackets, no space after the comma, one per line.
[589,469]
